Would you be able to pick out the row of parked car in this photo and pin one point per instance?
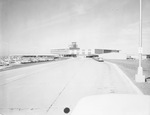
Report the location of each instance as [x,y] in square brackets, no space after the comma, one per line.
[4,63]
[24,60]
[36,60]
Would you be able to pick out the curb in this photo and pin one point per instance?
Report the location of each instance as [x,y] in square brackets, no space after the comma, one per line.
[124,76]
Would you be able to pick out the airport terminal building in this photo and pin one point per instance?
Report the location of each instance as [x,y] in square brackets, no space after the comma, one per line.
[74,51]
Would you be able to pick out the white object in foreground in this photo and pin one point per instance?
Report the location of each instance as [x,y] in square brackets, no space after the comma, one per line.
[113,104]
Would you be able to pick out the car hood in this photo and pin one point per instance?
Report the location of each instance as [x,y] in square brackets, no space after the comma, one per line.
[113,104]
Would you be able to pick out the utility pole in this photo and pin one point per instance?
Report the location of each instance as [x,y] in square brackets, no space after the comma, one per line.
[139,76]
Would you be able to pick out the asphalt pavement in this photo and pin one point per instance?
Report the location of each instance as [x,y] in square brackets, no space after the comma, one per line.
[50,87]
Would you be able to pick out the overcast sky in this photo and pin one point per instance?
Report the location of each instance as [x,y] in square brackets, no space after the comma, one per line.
[36,26]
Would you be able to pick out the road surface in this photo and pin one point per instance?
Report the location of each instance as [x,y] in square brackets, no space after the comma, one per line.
[49,88]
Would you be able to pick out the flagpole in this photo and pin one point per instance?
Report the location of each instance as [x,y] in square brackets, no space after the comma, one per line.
[139,76]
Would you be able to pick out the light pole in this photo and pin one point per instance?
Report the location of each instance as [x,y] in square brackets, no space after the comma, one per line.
[139,76]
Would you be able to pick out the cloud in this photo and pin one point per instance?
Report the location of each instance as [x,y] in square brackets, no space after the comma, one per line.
[50,21]
[82,6]
[79,8]
[98,23]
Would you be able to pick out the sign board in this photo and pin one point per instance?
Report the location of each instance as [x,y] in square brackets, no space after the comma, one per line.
[140,50]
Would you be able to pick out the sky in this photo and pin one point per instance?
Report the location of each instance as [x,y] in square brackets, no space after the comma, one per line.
[36,26]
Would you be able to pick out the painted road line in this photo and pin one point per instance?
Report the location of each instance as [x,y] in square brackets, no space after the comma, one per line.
[124,76]
[17,77]
[14,78]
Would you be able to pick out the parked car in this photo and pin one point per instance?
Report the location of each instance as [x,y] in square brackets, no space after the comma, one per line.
[99,59]
[6,63]
[1,63]
[25,61]
[130,58]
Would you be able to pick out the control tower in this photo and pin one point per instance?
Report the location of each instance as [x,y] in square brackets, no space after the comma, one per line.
[74,46]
